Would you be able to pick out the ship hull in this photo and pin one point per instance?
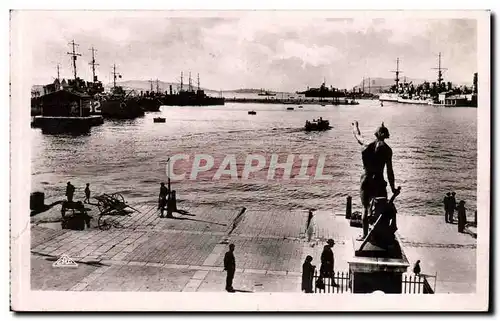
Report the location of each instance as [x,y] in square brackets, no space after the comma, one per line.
[149,104]
[121,109]
[177,100]
[389,97]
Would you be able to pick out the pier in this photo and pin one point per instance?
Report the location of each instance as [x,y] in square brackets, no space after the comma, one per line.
[144,252]
[292,101]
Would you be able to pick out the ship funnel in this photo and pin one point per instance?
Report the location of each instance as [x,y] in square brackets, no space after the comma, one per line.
[170,87]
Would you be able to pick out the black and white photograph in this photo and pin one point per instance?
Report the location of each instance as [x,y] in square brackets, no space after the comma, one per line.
[233,160]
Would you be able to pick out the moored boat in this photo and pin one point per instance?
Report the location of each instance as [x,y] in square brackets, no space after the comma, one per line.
[159,120]
[317,125]
[118,104]
[190,97]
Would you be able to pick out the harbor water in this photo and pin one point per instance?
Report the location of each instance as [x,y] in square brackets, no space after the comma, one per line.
[434,151]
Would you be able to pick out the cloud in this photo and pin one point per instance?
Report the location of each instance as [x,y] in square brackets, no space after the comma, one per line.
[281,51]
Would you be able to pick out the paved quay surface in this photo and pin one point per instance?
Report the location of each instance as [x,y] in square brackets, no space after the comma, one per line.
[144,252]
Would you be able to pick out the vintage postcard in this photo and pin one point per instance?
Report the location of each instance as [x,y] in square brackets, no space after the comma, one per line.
[250,160]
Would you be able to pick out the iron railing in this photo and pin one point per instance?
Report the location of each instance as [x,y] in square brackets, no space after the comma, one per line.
[341,283]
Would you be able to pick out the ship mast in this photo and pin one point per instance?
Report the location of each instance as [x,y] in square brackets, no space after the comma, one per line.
[198,81]
[58,77]
[369,85]
[157,86]
[181,80]
[440,71]
[93,64]
[151,85]
[114,75]
[397,72]
[363,84]
[190,87]
[74,54]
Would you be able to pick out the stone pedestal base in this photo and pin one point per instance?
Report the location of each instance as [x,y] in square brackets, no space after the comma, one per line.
[375,269]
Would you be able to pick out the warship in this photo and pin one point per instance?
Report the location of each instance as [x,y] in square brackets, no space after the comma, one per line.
[150,101]
[190,97]
[266,93]
[66,105]
[322,92]
[439,93]
[117,104]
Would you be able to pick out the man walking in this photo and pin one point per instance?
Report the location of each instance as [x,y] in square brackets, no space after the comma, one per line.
[230,267]
[375,155]
[328,262]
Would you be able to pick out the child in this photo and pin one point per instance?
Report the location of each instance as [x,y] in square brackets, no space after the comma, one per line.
[87,194]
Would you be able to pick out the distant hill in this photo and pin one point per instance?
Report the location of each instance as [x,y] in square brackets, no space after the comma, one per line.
[145,85]
[247,91]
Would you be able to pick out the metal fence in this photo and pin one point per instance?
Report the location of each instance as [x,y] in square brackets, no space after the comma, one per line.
[418,284]
[341,283]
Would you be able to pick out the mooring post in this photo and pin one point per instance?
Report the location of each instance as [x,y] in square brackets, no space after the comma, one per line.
[475,217]
[348,208]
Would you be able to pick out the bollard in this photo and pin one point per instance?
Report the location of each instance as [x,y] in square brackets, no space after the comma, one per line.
[37,200]
[475,218]
[174,201]
[348,209]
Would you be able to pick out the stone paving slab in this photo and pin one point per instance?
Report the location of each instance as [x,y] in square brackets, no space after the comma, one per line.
[174,248]
[204,219]
[40,235]
[48,278]
[251,282]
[265,254]
[140,278]
[272,223]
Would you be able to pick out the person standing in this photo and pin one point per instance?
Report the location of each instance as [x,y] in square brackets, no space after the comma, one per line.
[230,267]
[162,197]
[462,216]
[453,206]
[416,268]
[70,191]
[87,194]
[446,202]
[308,275]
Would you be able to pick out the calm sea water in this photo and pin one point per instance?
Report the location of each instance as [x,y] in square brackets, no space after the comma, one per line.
[435,151]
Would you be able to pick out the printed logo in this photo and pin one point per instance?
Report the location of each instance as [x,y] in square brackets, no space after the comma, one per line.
[65,261]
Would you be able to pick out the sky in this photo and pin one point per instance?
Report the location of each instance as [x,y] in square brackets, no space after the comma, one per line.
[285,51]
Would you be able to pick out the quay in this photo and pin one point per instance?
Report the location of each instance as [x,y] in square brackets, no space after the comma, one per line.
[144,252]
[292,101]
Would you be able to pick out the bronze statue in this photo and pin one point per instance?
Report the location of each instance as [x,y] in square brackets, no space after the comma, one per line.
[376,155]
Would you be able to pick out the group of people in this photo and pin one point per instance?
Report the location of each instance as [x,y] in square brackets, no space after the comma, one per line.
[70,192]
[326,270]
[450,205]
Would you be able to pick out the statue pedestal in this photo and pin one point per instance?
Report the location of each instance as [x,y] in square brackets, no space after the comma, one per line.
[377,269]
